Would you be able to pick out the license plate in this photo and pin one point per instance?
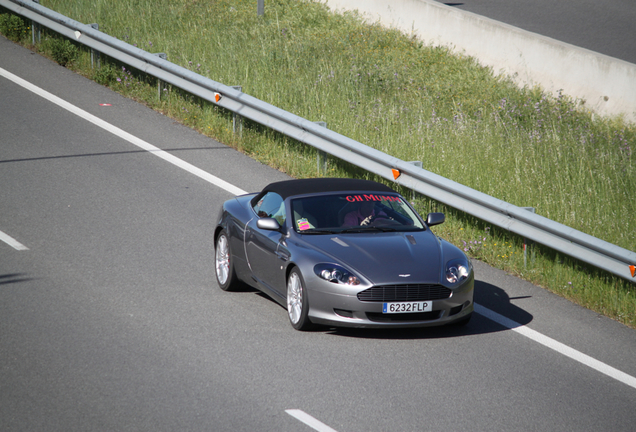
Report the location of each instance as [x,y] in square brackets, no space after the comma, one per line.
[407,307]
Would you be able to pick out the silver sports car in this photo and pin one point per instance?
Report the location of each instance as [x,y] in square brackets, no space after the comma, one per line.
[344,253]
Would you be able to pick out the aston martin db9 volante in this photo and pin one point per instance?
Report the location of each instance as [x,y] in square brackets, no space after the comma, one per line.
[343,253]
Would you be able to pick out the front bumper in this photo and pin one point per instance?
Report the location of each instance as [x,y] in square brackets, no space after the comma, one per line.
[330,306]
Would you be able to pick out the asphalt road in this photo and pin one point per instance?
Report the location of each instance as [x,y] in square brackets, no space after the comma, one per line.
[111,320]
[607,27]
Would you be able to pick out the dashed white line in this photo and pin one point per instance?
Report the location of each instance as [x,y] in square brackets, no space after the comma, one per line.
[309,420]
[300,415]
[12,242]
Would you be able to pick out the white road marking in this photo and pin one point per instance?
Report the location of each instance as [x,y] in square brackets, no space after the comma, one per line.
[309,420]
[523,330]
[12,242]
[123,134]
[557,346]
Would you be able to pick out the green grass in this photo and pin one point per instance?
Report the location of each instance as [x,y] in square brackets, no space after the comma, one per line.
[408,99]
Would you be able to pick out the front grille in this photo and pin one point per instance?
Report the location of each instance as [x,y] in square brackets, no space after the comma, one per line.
[399,293]
[423,316]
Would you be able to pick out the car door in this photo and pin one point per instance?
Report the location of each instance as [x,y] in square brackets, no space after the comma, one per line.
[266,250]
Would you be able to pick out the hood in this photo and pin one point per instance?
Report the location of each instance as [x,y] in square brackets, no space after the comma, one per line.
[385,258]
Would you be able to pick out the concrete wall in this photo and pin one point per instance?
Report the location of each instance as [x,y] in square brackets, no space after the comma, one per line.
[608,85]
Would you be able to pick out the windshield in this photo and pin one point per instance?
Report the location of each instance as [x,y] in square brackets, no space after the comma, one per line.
[353,212]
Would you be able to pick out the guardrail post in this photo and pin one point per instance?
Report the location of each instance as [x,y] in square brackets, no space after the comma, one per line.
[260,7]
[237,119]
[527,242]
[576,244]
[36,28]
[419,165]
[321,156]
[163,56]
[95,53]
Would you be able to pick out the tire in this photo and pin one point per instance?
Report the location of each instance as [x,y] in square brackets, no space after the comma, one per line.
[224,264]
[297,301]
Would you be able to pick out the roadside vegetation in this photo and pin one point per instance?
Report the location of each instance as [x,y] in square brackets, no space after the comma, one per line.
[396,94]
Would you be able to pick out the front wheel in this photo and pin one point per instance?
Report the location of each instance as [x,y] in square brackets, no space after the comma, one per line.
[297,302]
[224,263]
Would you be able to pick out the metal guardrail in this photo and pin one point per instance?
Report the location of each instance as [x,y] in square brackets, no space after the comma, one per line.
[568,241]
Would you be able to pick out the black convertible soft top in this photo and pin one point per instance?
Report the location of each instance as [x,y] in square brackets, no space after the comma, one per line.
[316,185]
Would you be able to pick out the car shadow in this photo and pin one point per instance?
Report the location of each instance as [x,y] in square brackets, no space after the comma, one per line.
[488,299]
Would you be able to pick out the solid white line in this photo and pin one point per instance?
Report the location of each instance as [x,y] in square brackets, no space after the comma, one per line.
[12,242]
[124,135]
[309,420]
[523,330]
[557,346]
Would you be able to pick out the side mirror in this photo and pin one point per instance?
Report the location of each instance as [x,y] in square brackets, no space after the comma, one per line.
[435,219]
[268,223]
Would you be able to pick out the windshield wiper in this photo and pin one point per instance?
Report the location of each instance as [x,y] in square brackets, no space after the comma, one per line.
[320,231]
[368,228]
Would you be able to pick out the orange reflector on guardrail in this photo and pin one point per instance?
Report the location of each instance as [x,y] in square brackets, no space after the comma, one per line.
[396,174]
[217,96]
[633,270]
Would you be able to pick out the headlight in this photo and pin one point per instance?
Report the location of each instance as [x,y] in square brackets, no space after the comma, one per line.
[336,274]
[457,270]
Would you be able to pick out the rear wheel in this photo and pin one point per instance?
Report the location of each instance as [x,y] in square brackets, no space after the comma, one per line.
[224,263]
[297,302]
